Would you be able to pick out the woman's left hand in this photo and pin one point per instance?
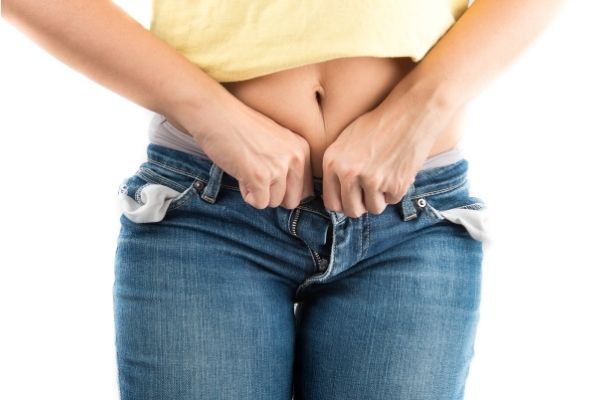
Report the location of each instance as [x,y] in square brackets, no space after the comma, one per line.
[376,157]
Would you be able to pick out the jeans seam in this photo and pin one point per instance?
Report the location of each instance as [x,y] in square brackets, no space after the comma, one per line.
[312,210]
[151,176]
[183,198]
[181,201]
[444,190]
[138,191]
[171,168]
[188,174]
[366,235]
[472,206]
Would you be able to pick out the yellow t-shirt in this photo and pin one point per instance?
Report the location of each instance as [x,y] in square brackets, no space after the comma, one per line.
[235,40]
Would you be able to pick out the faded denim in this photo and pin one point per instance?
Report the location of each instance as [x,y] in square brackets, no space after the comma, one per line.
[215,299]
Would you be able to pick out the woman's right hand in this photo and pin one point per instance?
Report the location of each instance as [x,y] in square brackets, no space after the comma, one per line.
[270,162]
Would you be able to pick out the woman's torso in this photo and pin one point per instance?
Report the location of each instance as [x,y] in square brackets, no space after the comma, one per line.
[317,101]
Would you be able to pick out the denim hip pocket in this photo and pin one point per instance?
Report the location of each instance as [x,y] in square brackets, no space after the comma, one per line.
[458,206]
[153,191]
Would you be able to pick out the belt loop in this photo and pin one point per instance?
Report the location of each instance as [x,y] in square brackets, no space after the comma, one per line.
[336,216]
[408,208]
[211,190]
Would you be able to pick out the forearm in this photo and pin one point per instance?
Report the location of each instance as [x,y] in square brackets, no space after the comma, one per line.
[100,40]
[487,38]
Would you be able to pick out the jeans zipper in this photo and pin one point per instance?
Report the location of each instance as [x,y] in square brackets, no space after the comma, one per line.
[321,264]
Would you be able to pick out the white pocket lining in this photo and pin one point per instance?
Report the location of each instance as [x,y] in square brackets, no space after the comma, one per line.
[155,200]
[475,221]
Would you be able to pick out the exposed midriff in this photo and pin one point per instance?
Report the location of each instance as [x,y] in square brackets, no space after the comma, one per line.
[317,101]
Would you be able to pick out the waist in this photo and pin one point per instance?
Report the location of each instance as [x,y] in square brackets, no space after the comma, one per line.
[316,101]
[162,133]
[448,172]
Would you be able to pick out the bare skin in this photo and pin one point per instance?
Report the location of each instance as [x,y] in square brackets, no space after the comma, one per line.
[376,121]
[317,101]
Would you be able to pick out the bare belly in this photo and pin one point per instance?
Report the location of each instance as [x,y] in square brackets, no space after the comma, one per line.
[317,101]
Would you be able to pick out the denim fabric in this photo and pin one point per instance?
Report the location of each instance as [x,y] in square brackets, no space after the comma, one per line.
[215,299]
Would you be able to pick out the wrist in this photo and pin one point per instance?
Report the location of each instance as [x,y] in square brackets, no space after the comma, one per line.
[202,110]
[421,102]
[426,91]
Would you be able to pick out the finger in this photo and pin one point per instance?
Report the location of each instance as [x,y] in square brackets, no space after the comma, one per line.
[352,198]
[375,201]
[256,193]
[393,197]
[331,191]
[277,191]
[294,188]
[393,194]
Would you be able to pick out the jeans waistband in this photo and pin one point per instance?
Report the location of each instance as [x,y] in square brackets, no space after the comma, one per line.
[427,182]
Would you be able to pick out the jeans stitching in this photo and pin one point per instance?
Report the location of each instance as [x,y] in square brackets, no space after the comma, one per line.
[473,206]
[444,190]
[312,210]
[184,196]
[433,212]
[150,175]
[138,192]
[186,173]
[365,235]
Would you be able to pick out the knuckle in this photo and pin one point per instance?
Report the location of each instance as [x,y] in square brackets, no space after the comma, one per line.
[372,182]
[280,172]
[395,187]
[258,176]
[348,172]
[277,170]
[328,159]
[297,158]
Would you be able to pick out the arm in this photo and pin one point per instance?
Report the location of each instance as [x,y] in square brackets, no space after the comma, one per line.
[100,40]
[487,38]
[380,152]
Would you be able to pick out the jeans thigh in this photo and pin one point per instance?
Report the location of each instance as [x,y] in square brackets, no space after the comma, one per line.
[195,316]
[401,326]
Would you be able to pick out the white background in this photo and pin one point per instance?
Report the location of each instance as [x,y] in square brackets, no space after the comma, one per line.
[532,135]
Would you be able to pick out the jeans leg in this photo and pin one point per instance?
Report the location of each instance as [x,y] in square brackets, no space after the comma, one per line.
[401,326]
[197,317]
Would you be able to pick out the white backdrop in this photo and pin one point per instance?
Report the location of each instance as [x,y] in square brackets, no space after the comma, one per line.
[532,142]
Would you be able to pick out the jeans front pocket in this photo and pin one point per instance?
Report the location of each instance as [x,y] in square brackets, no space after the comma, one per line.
[153,191]
[458,207]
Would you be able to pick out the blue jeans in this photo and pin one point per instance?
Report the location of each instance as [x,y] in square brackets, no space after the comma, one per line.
[215,299]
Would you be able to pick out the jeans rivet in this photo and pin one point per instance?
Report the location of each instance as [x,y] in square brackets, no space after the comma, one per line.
[421,202]
[197,184]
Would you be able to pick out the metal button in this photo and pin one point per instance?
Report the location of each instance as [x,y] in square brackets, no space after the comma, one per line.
[421,202]
[198,184]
